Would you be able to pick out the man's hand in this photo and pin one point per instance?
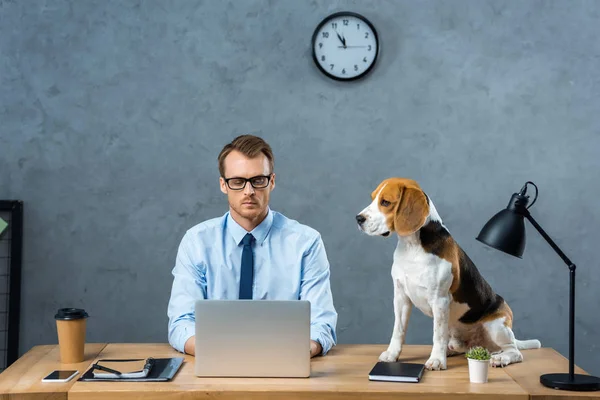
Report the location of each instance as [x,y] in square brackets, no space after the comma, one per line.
[190,346]
[315,348]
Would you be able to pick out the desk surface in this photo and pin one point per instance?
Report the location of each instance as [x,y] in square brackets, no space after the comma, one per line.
[342,374]
[23,379]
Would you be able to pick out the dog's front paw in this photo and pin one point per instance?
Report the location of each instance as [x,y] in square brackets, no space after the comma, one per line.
[390,355]
[435,363]
[505,358]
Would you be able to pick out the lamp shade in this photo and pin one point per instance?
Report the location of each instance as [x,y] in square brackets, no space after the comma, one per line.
[505,231]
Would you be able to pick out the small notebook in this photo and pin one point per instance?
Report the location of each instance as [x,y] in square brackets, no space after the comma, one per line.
[396,372]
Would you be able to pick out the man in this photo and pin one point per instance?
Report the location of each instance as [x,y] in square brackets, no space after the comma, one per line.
[250,252]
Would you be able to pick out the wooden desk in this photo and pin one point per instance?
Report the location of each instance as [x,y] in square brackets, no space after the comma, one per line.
[342,374]
[23,379]
[544,361]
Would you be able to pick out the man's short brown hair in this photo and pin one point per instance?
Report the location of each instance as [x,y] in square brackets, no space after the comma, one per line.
[250,146]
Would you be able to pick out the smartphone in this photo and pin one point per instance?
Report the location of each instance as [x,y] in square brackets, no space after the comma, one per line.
[60,376]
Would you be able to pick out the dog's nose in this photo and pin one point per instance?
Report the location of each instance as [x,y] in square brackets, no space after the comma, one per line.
[360,219]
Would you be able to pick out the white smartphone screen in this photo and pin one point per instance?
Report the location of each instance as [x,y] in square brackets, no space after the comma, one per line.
[59,376]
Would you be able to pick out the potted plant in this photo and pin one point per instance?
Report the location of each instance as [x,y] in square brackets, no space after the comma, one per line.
[479,361]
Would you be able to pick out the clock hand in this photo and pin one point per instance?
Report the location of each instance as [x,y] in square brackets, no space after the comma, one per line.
[351,47]
[341,40]
[344,40]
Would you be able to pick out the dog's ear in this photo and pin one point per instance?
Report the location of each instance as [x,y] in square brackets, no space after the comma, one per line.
[411,210]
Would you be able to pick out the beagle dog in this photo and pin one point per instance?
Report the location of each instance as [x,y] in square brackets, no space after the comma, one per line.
[432,272]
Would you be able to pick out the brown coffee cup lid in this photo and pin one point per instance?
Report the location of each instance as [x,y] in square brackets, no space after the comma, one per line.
[70,314]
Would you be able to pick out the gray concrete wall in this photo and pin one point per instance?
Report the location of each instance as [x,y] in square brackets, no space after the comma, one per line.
[112,114]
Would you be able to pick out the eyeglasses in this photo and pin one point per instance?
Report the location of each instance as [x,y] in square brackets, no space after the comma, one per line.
[257,182]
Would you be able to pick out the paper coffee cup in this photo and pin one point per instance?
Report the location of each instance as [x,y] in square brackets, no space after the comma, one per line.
[70,326]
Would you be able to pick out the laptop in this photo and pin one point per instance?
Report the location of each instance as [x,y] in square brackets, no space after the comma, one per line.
[253,338]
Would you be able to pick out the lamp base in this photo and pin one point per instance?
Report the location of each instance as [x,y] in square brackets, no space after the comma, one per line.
[579,383]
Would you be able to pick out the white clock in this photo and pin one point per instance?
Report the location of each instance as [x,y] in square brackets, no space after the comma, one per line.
[345,46]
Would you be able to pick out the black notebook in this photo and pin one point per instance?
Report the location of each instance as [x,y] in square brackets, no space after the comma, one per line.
[396,372]
[133,370]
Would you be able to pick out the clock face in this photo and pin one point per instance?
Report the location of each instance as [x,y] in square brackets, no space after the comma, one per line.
[345,46]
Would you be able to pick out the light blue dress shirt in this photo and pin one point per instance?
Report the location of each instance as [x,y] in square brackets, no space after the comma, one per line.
[290,263]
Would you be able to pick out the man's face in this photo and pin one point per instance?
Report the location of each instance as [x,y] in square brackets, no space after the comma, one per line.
[250,202]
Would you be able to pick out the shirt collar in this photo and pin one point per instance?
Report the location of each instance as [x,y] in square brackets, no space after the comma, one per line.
[260,232]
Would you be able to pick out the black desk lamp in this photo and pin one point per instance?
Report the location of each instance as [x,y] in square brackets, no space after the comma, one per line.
[506,232]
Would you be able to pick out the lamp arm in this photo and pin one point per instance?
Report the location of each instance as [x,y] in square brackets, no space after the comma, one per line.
[571,292]
[549,240]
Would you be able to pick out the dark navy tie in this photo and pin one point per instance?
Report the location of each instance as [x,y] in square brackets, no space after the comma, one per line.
[247,274]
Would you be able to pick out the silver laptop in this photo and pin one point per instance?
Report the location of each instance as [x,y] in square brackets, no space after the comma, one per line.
[252,338]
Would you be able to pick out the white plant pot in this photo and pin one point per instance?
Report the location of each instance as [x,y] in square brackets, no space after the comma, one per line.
[478,370]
